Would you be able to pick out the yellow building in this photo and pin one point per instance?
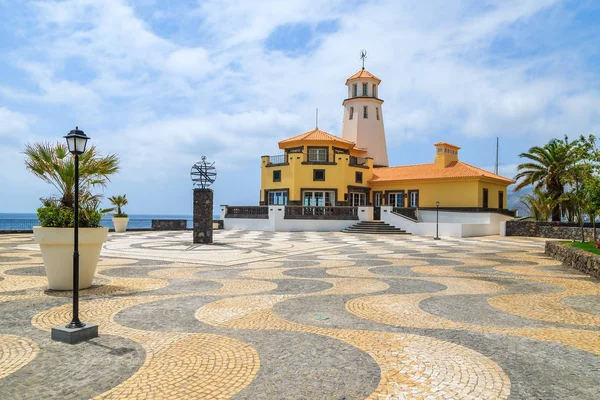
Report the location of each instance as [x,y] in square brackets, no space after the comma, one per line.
[320,169]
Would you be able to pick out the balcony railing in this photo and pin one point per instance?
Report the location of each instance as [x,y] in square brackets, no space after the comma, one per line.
[255,212]
[357,161]
[278,159]
[313,212]
[330,158]
[406,212]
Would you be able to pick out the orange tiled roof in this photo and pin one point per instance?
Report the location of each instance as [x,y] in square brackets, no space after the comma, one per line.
[363,73]
[316,135]
[456,169]
[447,145]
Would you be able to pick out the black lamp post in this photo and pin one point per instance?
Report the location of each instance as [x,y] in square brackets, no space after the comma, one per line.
[437,220]
[76,141]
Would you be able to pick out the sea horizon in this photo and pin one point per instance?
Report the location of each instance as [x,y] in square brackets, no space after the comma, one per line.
[6,215]
[26,221]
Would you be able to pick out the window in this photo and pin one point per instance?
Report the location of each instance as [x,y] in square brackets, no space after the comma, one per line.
[358,177]
[413,198]
[377,112]
[364,89]
[500,199]
[357,199]
[295,150]
[277,176]
[278,198]
[365,112]
[318,198]
[354,90]
[485,198]
[439,149]
[374,90]
[377,199]
[318,174]
[396,199]
[318,154]
[351,112]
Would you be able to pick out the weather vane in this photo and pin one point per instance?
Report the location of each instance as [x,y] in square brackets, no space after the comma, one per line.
[203,174]
[363,56]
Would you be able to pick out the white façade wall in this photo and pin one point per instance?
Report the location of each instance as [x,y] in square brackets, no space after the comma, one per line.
[454,217]
[276,214]
[450,224]
[277,222]
[249,224]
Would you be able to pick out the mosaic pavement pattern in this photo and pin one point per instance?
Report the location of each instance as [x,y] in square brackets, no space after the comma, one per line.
[263,315]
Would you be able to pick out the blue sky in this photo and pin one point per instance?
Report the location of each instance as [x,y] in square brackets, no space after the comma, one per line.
[162,83]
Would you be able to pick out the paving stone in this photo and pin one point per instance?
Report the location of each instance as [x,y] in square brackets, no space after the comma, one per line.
[304,315]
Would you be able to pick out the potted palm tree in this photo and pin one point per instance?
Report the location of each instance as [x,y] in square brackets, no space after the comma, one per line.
[120,219]
[53,164]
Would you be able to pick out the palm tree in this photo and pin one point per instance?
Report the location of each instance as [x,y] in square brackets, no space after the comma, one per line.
[55,165]
[539,204]
[119,201]
[547,169]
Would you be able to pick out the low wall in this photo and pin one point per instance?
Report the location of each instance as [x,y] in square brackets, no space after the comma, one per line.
[550,230]
[169,224]
[452,223]
[276,221]
[575,258]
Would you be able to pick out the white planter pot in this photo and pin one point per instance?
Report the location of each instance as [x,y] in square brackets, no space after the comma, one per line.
[120,223]
[56,245]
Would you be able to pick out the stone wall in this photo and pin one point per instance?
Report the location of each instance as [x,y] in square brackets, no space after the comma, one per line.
[203,216]
[551,230]
[575,258]
[168,224]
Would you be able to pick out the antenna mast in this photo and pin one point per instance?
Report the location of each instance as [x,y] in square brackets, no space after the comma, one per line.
[496,164]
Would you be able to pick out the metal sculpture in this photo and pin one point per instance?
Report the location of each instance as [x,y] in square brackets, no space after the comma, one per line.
[203,174]
[363,56]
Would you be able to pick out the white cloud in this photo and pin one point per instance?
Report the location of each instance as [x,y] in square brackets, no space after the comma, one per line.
[210,86]
[13,123]
[193,63]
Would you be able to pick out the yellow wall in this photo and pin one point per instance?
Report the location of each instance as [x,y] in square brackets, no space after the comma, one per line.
[298,174]
[450,193]
[493,189]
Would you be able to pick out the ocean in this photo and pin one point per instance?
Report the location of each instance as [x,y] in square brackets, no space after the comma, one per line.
[26,221]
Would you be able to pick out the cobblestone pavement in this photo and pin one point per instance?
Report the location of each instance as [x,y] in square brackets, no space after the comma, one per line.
[263,315]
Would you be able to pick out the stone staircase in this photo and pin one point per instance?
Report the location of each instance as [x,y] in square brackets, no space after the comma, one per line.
[375,227]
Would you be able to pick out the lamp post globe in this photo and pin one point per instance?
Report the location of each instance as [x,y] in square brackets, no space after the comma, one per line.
[76,142]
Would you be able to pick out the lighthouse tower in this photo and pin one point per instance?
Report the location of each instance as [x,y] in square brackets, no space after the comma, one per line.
[363,116]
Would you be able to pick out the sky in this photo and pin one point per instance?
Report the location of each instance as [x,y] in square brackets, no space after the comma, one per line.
[163,82]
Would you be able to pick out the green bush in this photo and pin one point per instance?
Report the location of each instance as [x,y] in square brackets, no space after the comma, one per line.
[53,215]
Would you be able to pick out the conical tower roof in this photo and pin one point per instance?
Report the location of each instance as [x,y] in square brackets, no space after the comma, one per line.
[363,73]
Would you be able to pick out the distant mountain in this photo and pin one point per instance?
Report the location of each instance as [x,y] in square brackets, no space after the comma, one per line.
[514,202]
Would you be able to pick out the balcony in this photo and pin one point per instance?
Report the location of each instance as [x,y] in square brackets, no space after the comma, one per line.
[357,161]
[323,159]
[277,160]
